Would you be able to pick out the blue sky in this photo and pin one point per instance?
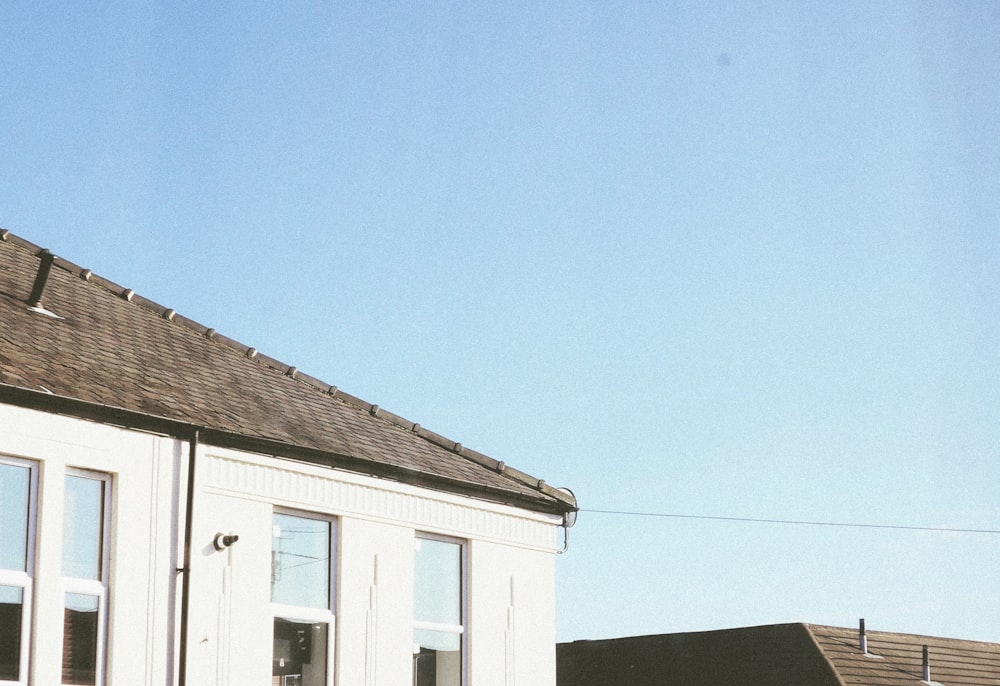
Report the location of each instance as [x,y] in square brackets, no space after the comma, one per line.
[720,259]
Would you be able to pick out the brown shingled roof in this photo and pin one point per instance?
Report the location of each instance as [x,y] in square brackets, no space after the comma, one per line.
[897,659]
[776,655]
[113,356]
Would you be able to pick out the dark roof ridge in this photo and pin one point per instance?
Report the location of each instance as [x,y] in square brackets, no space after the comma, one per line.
[455,447]
[809,626]
[731,629]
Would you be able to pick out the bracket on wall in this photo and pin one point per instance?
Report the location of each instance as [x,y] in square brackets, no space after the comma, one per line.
[569,519]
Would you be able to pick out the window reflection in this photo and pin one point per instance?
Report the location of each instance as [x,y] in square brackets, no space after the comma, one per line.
[301,593]
[299,657]
[300,561]
[80,633]
[14,493]
[11,598]
[84,577]
[83,521]
[438,582]
[437,606]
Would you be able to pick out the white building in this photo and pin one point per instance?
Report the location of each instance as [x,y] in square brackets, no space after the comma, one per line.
[180,509]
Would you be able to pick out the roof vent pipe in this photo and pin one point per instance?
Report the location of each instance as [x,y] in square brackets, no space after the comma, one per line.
[863,637]
[41,278]
[926,672]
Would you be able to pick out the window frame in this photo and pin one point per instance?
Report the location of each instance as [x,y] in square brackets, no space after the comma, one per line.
[24,579]
[98,588]
[303,613]
[462,629]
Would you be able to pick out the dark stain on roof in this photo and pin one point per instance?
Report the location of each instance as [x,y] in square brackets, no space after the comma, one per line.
[112,355]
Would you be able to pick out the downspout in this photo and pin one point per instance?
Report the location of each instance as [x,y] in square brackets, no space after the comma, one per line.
[182,657]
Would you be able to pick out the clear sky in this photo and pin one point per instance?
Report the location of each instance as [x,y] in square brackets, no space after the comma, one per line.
[709,259]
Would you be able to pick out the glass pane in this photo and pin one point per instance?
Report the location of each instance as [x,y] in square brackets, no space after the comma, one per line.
[10,632]
[79,657]
[14,484]
[438,582]
[437,667]
[299,656]
[437,640]
[83,522]
[300,561]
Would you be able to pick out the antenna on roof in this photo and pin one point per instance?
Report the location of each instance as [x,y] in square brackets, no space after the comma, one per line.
[863,637]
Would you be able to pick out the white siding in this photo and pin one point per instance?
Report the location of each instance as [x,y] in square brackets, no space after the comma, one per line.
[229,640]
[512,632]
[143,469]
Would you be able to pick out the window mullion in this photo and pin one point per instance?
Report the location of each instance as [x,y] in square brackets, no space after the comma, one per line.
[435,626]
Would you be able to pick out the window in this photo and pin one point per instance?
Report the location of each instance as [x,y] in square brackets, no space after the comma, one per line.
[85,576]
[17,513]
[438,626]
[302,568]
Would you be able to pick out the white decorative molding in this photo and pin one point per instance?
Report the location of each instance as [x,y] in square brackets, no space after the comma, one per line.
[509,645]
[371,629]
[338,493]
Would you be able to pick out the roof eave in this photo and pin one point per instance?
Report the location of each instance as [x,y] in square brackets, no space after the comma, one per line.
[548,501]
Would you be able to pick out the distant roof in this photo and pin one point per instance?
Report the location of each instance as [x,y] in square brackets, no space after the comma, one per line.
[777,655]
[110,355]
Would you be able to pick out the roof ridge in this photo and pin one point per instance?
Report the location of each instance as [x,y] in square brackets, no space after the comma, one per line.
[904,634]
[285,369]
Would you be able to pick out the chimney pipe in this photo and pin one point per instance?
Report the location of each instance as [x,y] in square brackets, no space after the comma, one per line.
[41,278]
[863,637]
[926,666]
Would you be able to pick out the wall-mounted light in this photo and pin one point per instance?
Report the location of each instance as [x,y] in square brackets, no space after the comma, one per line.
[223,541]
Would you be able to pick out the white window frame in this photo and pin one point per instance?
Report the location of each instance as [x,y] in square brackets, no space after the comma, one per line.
[327,615]
[24,579]
[460,629]
[94,587]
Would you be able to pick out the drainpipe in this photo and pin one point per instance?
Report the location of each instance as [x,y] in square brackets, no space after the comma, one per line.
[926,667]
[182,658]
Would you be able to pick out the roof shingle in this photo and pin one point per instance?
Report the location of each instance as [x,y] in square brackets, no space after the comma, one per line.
[109,348]
[777,655]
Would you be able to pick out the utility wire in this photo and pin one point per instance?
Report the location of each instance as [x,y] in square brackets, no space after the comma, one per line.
[755,520]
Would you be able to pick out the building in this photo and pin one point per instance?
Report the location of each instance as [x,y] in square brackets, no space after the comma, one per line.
[180,508]
[779,655]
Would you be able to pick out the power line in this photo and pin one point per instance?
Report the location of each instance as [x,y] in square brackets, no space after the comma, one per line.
[798,522]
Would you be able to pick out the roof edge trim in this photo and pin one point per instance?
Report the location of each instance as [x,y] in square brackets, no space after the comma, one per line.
[181,430]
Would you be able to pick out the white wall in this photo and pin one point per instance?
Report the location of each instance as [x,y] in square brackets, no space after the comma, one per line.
[143,470]
[511,637]
[512,632]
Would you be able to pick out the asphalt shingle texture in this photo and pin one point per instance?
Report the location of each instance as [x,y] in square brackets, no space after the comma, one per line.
[121,351]
[777,655]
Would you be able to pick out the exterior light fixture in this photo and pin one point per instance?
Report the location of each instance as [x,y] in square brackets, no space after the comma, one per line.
[223,541]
